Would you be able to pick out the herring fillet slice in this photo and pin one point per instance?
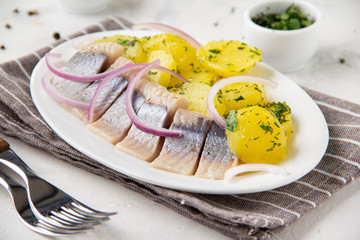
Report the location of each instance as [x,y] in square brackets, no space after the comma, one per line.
[91,60]
[181,155]
[115,123]
[216,156]
[158,110]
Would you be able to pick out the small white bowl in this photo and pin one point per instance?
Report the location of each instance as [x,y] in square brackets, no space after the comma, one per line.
[285,50]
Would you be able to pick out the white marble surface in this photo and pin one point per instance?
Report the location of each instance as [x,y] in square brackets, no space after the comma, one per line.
[139,217]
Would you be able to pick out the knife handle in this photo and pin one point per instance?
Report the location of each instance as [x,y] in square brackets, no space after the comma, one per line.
[3,145]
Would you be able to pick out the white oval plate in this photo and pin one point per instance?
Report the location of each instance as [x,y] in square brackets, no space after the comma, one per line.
[307,145]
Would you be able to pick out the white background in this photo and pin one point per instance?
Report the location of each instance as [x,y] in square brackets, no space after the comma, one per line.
[139,217]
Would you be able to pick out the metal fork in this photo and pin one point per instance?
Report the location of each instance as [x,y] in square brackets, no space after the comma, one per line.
[19,198]
[48,202]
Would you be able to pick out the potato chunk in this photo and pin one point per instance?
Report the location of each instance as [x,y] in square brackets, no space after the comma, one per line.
[240,95]
[167,61]
[183,54]
[132,46]
[228,57]
[255,135]
[196,93]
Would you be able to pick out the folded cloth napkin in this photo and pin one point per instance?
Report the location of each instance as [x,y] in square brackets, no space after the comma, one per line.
[239,216]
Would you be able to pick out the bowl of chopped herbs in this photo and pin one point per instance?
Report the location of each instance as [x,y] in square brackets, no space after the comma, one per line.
[286,31]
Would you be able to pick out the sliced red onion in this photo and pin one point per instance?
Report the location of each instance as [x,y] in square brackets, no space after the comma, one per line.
[125,68]
[45,82]
[169,29]
[130,109]
[227,81]
[254,167]
[55,68]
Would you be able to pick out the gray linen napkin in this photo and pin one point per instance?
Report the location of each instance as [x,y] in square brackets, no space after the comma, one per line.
[243,216]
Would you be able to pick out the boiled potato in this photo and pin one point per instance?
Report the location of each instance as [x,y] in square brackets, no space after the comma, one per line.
[182,52]
[228,57]
[283,113]
[133,48]
[196,93]
[199,74]
[166,60]
[255,135]
[240,95]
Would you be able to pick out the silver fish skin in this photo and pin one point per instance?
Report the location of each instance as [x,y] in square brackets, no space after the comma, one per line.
[115,123]
[106,98]
[181,155]
[216,156]
[85,63]
[158,110]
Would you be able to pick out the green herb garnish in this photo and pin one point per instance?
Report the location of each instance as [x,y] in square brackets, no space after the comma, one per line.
[239,98]
[279,109]
[152,73]
[267,128]
[291,19]
[231,121]
[215,51]
[127,42]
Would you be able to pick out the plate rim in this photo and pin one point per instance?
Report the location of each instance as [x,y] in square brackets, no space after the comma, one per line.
[221,188]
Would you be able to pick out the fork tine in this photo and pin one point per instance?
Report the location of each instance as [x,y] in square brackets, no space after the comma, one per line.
[81,216]
[71,208]
[76,218]
[70,224]
[90,210]
[71,220]
[53,231]
[59,223]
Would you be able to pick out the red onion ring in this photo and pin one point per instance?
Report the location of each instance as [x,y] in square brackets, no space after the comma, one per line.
[55,69]
[45,82]
[125,68]
[169,29]
[227,81]
[254,167]
[130,109]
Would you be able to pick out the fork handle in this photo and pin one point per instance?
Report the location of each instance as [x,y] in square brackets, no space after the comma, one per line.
[3,145]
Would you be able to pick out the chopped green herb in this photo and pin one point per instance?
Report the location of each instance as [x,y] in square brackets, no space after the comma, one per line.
[231,121]
[127,42]
[257,53]
[267,128]
[291,19]
[152,73]
[239,98]
[342,60]
[279,109]
[215,51]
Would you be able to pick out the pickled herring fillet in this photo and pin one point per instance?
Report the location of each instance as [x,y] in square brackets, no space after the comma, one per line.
[80,63]
[106,98]
[110,49]
[115,123]
[92,59]
[181,155]
[158,110]
[216,157]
